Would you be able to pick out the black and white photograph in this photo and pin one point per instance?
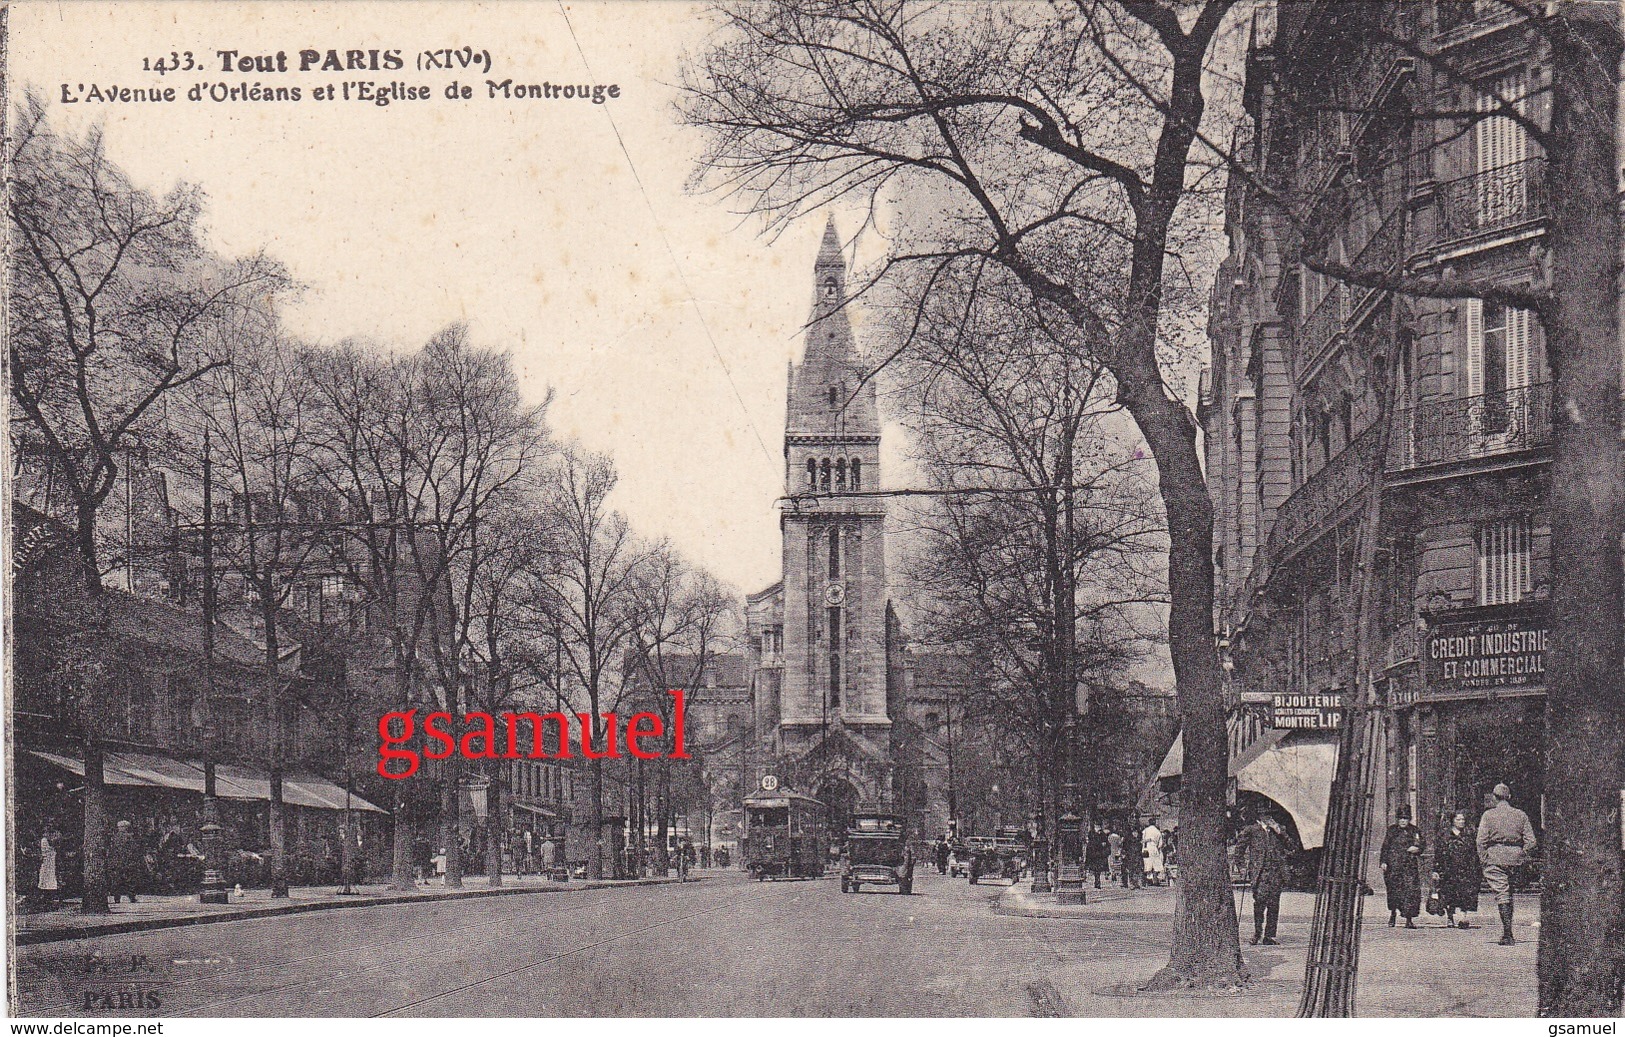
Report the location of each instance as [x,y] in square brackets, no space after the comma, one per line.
[813,509]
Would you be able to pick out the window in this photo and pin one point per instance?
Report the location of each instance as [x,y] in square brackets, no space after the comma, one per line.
[333,587]
[834,616]
[1497,347]
[1503,561]
[832,392]
[823,475]
[840,474]
[857,474]
[812,474]
[1500,147]
[835,554]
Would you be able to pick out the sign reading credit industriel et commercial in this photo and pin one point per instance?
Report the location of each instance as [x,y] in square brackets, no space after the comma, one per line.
[1503,652]
[1320,712]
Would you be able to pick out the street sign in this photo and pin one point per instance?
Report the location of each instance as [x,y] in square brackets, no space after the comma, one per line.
[769,782]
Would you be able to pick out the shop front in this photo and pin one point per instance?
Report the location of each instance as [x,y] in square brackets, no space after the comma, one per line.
[1473,718]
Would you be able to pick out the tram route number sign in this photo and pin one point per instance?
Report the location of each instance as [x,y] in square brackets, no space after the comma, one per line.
[1319,712]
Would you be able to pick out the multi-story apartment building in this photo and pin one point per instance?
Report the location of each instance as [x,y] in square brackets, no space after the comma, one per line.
[1345,106]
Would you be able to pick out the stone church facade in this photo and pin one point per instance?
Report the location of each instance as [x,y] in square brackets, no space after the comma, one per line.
[821,655]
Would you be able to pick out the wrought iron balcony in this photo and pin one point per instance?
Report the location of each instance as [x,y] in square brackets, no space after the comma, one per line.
[1497,199]
[1431,433]
[1324,324]
[1440,431]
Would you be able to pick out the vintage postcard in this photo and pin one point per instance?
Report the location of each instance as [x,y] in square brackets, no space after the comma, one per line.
[813,508]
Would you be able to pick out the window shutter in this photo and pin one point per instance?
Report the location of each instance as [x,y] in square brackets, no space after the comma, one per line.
[1517,348]
[1475,347]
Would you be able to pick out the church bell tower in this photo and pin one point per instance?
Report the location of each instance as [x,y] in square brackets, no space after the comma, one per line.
[832,702]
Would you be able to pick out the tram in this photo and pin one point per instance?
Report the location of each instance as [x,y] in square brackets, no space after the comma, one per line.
[786,835]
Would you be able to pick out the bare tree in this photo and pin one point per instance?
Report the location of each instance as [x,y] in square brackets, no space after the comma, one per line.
[588,593]
[112,298]
[256,411]
[684,621]
[1011,120]
[1039,558]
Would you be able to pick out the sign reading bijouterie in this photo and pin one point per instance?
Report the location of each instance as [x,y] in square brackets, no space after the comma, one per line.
[1323,712]
[1488,652]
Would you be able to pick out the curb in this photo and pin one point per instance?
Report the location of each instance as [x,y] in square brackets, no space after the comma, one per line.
[26,937]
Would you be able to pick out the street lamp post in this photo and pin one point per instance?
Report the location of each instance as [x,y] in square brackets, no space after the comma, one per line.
[214,883]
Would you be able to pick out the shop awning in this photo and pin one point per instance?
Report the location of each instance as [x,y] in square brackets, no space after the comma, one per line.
[232,781]
[1296,772]
[1293,768]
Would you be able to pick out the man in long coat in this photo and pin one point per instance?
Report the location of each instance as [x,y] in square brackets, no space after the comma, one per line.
[1402,868]
[1266,847]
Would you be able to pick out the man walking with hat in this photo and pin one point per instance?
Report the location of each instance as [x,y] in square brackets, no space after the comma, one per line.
[1505,840]
[1266,848]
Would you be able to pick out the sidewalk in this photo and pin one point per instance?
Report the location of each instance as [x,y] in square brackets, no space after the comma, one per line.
[1428,971]
[164,912]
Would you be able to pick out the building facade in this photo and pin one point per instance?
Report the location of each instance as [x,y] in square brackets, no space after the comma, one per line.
[1343,120]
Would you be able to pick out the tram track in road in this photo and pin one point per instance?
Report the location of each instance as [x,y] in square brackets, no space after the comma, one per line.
[552,958]
[238,971]
[409,950]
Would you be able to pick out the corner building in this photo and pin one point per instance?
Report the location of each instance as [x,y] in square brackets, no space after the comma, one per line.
[1335,104]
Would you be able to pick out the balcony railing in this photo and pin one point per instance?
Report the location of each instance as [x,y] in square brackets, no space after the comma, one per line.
[1496,199]
[1325,323]
[1431,433]
[1478,426]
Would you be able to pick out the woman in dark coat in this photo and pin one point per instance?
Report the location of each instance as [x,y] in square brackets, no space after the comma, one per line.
[1097,855]
[1459,874]
[1401,868]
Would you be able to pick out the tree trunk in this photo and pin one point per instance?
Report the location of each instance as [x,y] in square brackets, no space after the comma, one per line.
[93,858]
[495,829]
[401,878]
[1582,898]
[662,814]
[277,812]
[1206,945]
[595,854]
[451,820]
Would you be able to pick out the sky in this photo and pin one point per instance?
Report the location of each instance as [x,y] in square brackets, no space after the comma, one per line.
[558,229]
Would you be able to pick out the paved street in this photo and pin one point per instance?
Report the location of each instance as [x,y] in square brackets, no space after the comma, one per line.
[726,946]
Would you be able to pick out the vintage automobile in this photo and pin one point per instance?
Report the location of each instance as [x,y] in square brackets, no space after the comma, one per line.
[877,852]
[1003,856]
[785,835]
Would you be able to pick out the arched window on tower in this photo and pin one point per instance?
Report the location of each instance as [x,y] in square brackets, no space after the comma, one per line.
[832,396]
[840,474]
[835,553]
[856,481]
[823,475]
[812,474]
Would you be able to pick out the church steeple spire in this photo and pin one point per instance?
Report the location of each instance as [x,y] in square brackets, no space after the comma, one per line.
[829,391]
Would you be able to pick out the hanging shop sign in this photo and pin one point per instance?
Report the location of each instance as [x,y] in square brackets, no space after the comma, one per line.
[1507,651]
[1318,712]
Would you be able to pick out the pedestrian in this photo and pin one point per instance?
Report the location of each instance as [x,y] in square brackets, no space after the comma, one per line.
[942,855]
[48,884]
[1402,869]
[550,853]
[1265,844]
[1097,853]
[1151,852]
[124,862]
[1114,842]
[1459,873]
[1505,841]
